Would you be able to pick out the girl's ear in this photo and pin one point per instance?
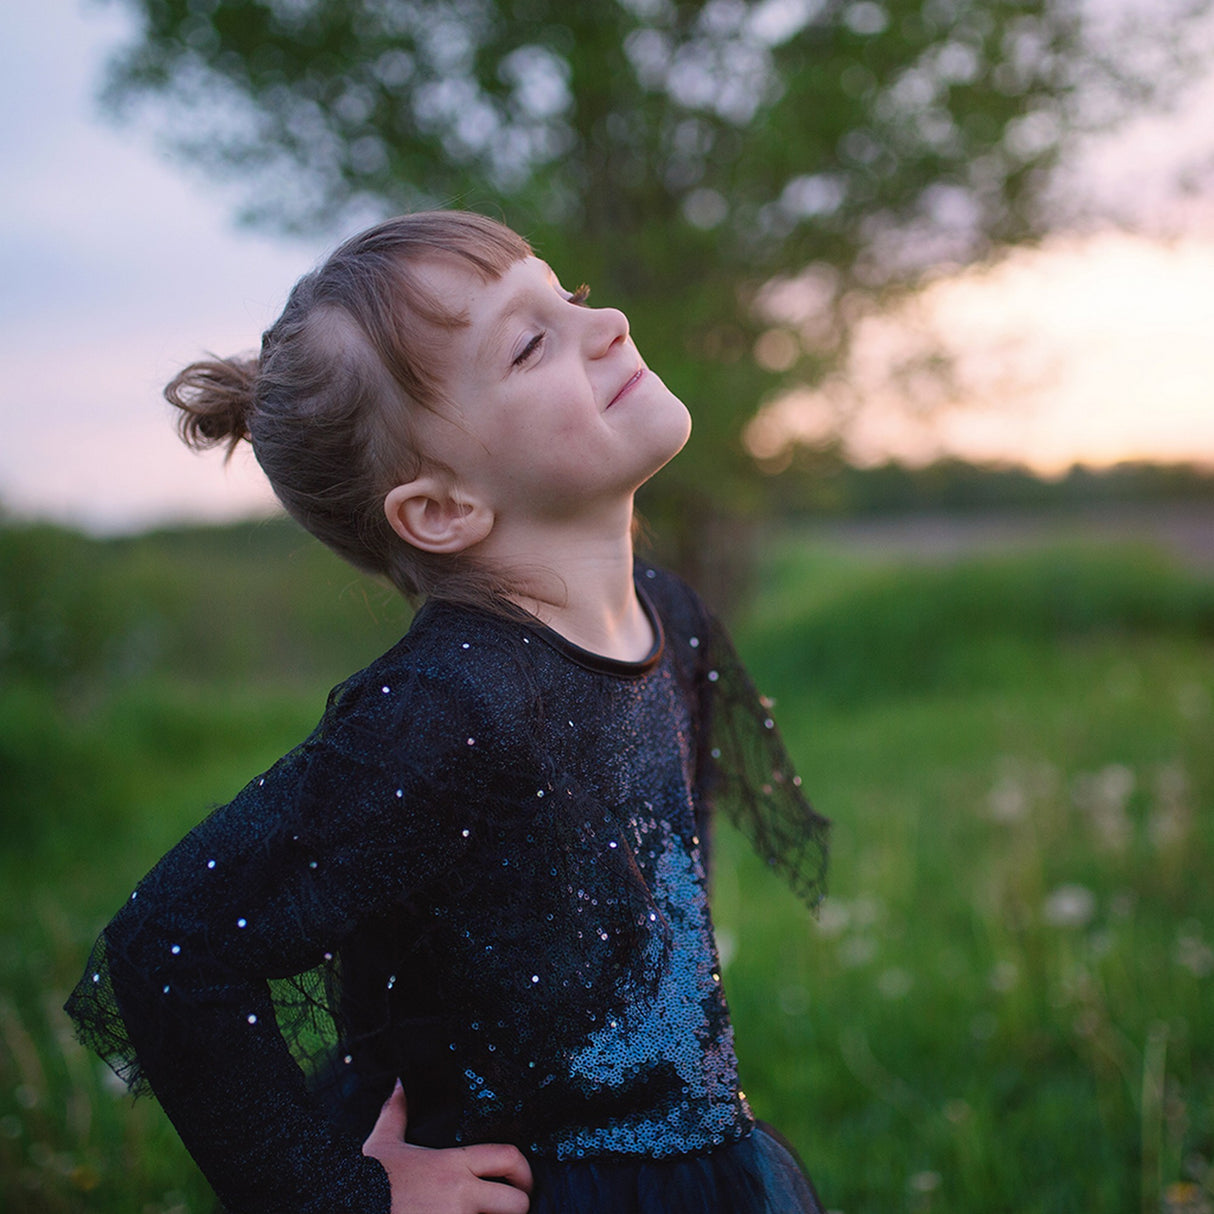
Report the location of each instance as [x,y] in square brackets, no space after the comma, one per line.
[432,515]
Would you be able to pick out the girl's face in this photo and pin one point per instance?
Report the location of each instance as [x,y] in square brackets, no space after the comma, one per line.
[554,410]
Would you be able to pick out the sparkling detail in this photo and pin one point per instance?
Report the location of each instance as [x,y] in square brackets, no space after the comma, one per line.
[164,990]
[175,950]
[96,977]
[313,864]
[626,1039]
[210,864]
[252,1017]
[261,783]
[713,675]
[349,1058]
[242,923]
[471,741]
[465,645]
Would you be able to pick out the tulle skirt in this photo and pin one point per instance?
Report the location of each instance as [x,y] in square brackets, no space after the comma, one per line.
[758,1175]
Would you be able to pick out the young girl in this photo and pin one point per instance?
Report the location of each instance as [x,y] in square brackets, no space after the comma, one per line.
[453,952]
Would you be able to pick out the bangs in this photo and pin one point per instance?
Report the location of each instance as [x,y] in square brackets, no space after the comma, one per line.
[373,277]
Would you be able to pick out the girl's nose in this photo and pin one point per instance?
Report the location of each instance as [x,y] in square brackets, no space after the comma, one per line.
[608,327]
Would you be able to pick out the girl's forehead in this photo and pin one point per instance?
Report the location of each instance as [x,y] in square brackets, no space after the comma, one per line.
[482,308]
[464,284]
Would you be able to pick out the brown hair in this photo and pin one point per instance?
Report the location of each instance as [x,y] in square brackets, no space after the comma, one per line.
[327,406]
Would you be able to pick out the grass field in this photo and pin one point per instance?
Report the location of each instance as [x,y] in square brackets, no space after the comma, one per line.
[1007,1003]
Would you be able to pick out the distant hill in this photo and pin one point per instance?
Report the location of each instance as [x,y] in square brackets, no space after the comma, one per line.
[821,485]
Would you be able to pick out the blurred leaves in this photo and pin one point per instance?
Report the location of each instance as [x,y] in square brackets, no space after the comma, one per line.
[677,155]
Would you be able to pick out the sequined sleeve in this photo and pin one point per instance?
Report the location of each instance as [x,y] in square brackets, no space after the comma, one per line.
[225,952]
[747,774]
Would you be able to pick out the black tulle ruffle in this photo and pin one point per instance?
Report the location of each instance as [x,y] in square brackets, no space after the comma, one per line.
[758,1175]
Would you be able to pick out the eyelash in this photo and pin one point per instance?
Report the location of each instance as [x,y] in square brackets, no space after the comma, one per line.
[579,297]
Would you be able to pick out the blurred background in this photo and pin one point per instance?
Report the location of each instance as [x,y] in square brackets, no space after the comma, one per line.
[935,279]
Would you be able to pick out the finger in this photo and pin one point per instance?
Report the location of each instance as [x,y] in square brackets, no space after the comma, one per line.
[499,1161]
[500,1199]
[392,1120]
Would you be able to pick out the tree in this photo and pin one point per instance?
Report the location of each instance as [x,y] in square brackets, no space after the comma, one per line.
[678,155]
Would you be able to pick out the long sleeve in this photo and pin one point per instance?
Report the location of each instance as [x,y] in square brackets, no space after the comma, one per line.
[744,769]
[226,942]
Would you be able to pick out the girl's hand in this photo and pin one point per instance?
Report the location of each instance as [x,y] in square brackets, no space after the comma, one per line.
[488,1178]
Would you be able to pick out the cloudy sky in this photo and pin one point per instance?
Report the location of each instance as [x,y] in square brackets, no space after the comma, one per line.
[119,266]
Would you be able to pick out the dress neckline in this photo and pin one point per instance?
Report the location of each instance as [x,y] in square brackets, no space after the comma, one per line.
[597,662]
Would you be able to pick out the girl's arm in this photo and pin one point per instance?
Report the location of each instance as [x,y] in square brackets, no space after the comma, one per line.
[742,767]
[177,996]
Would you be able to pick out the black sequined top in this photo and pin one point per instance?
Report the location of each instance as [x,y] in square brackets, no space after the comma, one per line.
[484,872]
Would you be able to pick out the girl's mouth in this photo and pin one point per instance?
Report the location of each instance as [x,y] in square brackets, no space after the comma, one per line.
[628,386]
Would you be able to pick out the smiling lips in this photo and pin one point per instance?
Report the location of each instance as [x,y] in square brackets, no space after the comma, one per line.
[628,386]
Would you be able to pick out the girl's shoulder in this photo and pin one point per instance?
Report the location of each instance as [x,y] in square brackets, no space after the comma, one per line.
[457,671]
[681,609]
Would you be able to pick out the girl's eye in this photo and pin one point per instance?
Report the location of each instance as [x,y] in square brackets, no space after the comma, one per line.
[528,350]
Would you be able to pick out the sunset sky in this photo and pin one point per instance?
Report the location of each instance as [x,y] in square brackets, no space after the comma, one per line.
[119,266]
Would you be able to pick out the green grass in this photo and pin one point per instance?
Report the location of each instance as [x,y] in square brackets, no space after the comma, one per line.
[1003,1006]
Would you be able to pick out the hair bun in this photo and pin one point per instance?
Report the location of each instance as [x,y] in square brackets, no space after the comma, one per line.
[215,397]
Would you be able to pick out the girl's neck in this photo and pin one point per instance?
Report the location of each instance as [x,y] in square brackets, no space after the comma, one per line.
[580,584]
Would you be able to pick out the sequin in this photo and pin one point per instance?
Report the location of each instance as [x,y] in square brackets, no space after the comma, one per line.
[575,846]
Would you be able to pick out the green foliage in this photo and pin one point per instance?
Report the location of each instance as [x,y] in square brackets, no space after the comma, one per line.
[676,154]
[906,629]
[1003,1005]
[816,483]
[77,614]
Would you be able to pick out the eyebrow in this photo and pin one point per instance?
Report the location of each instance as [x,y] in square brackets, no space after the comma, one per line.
[498,329]
[513,306]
